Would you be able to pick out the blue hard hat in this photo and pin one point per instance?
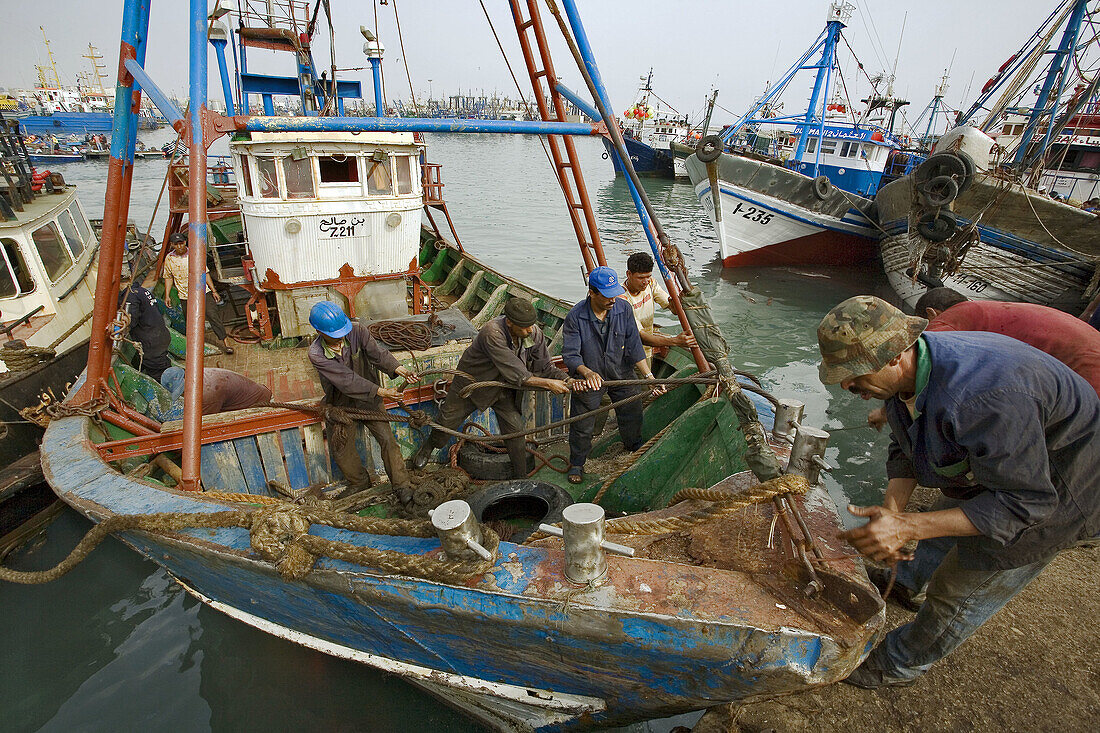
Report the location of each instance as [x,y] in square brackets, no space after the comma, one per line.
[327,318]
[606,282]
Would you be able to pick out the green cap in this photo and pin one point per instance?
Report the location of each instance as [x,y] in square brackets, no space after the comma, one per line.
[861,336]
[520,312]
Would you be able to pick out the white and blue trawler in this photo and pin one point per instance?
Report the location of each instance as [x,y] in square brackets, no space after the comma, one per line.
[796,189]
[328,208]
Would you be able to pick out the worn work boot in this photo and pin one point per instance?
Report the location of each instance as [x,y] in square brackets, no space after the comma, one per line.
[870,678]
[405,495]
[422,456]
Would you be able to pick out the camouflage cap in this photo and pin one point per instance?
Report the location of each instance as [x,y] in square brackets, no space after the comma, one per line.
[861,336]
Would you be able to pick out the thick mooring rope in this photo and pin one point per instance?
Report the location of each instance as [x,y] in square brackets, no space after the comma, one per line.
[725,502]
[280,535]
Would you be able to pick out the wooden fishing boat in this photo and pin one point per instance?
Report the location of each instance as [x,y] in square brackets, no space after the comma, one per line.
[740,591]
[978,215]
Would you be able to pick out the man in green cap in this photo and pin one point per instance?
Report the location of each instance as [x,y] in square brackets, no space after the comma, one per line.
[512,349]
[1005,431]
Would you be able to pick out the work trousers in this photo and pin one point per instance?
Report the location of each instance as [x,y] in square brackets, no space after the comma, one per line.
[455,409]
[351,464]
[957,602]
[213,316]
[629,418]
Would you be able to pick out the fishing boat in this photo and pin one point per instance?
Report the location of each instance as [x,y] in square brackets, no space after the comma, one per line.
[979,215]
[57,158]
[798,197]
[522,629]
[649,126]
[47,280]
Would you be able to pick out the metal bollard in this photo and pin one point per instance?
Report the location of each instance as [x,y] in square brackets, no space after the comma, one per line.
[582,528]
[788,412]
[458,530]
[809,444]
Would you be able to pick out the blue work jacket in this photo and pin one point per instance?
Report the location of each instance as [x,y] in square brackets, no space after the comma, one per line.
[583,343]
[1012,432]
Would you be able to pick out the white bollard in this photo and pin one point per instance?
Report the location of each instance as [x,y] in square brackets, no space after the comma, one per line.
[458,530]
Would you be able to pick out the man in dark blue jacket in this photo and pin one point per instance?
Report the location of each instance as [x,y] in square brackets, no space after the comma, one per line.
[1008,433]
[147,326]
[601,341]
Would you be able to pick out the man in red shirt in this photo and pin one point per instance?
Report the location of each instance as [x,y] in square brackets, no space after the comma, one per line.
[1069,340]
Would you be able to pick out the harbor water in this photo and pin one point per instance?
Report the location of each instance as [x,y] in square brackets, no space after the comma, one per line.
[117,645]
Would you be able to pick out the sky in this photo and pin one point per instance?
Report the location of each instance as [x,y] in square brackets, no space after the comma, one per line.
[692,45]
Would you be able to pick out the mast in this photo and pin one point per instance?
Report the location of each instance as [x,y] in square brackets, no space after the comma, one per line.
[95,58]
[49,54]
[940,90]
[839,13]
[1057,72]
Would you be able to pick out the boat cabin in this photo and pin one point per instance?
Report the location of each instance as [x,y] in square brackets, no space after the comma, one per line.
[47,278]
[331,216]
[852,158]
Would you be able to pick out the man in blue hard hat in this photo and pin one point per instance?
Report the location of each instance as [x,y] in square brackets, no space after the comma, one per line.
[347,359]
[601,341]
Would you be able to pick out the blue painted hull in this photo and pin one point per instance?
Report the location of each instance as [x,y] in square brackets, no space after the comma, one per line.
[659,638]
[74,158]
[646,160]
[67,123]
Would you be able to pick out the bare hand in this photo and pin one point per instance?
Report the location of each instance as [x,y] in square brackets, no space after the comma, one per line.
[557,386]
[659,389]
[389,394]
[883,537]
[876,418]
[685,339]
[592,382]
[408,374]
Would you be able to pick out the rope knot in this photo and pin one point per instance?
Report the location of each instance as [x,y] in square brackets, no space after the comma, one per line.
[276,535]
[418,419]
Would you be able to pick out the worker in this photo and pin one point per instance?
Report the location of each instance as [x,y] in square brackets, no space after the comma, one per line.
[1007,433]
[146,324]
[1069,340]
[602,342]
[222,390]
[642,291]
[175,273]
[511,349]
[347,359]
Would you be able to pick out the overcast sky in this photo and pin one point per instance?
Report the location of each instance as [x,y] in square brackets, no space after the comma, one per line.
[692,45]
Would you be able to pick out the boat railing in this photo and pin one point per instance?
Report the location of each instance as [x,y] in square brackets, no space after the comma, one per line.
[432,180]
[221,188]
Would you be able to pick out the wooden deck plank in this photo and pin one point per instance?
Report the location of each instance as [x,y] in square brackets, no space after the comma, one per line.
[316,454]
[252,466]
[271,454]
[221,471]
[295,456]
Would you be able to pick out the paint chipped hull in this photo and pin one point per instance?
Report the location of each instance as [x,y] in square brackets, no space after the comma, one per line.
[520,643]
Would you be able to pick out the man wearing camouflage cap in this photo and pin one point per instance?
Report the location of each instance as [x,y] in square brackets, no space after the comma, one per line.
[1006,432]
[511,349]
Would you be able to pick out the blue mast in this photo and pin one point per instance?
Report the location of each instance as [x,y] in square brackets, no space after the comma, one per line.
[1065,49]
[838,14]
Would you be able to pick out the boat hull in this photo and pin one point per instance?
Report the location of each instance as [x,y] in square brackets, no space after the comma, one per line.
[67,123]
[646,160]
[656,639]
[1031,249]
[772,217]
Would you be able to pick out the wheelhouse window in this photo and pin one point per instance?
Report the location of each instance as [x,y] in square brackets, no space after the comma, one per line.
[378,175]
[404,174]
[828,147]
[269,181]
[55,257]
[15,278]
[246,175]
[68,228]
[298,171]
[811,145]
[339,168]
[81,224]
